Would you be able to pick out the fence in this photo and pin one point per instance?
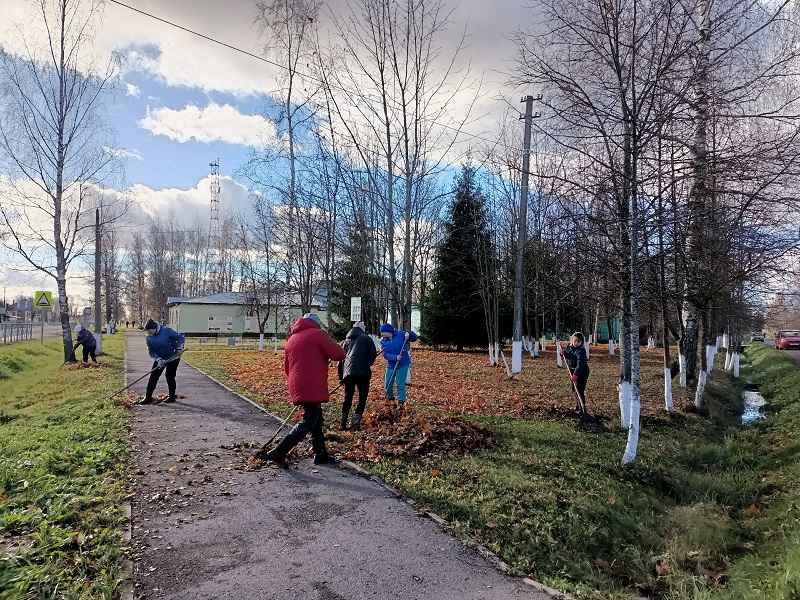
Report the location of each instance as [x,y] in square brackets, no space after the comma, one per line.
[18,332]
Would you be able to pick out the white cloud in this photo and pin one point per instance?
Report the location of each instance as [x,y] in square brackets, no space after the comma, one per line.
[189,205]
[213,123]
[131,90]
[123,153]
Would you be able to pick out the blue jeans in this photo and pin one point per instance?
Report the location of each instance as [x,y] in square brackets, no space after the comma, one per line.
[396,376]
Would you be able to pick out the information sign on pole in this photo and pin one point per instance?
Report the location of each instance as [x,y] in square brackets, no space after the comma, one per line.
[355,308]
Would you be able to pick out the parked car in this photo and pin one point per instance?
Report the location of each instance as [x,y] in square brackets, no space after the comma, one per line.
[788,339]
[757,336]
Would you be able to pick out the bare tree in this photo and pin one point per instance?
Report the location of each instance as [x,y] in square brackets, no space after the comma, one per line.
[54,139]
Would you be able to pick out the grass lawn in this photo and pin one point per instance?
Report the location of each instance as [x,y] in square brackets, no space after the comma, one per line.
[62,472]
[707,512]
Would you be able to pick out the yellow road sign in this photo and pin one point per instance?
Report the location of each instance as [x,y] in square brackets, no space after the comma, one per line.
[43,300]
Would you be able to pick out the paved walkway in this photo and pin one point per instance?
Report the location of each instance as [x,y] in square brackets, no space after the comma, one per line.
[205,528]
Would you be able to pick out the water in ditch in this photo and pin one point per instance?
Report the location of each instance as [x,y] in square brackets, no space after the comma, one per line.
[753,403]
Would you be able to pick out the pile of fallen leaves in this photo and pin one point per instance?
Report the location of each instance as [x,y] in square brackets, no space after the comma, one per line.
[387,431]
[85,365]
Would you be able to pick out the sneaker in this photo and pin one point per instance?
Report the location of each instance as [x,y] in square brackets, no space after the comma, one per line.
[169,399]
[401,405]
[323,459]
[146,400]
[273,457]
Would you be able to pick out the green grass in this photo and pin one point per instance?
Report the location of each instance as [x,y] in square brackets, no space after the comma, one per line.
[62,478]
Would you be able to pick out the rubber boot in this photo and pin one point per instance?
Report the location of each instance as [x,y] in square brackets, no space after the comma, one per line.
[343,422]
[355,423]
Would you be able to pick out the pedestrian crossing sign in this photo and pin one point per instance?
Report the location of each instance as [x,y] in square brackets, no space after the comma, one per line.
[43,300]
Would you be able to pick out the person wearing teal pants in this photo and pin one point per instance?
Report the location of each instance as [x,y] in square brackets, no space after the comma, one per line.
[398,360]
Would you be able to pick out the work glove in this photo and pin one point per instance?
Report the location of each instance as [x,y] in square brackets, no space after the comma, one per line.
[574,378]
[179,351]
[408,335]
[160,363]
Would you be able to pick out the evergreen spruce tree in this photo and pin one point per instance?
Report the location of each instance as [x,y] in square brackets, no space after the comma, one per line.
[453,311]
[354,278]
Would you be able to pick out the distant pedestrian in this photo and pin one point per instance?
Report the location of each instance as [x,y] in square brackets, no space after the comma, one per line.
[578,363]
[355,372]
[165,347]
[85,339]
[127,324]
[398,360]
[306,356]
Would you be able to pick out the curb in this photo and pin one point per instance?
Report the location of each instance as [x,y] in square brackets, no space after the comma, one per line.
[444,524]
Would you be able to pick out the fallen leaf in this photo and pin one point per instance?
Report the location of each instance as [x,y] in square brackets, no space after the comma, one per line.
[436,473]
[753,510]
[612,500]
[174,469]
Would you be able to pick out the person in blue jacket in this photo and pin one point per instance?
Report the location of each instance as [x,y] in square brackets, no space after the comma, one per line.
[85,339]
[398,360]
[165,347]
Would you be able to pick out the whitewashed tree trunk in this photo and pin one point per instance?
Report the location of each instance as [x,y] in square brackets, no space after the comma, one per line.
[701,386]
[719,342]
[728,359]
[260,342]
[535,351]
[505,362]
[736,365]
[559,360]
[544,344]
[668,404]
[611,347]
[711,352]
[587,351]
[625,404]
[726,341]
[651,343]
[516,357]
[682,366]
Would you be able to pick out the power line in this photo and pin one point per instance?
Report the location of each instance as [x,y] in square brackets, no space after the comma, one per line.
[301,73]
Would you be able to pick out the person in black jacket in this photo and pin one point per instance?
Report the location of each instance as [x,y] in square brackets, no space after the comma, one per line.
[355,372]
[575,354]
[85,339]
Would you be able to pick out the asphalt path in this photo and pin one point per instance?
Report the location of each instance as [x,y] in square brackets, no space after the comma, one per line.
[204,527]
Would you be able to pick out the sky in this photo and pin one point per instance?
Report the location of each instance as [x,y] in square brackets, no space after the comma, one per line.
[184,101]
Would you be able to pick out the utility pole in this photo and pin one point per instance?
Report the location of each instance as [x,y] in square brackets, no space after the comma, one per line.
[98,317]
[516,349]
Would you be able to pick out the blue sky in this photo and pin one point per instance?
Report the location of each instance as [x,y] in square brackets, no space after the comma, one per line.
[184,101]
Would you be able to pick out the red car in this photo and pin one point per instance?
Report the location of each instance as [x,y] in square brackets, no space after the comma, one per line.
[786,340]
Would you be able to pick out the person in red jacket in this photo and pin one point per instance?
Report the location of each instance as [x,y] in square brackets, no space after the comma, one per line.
[305,361]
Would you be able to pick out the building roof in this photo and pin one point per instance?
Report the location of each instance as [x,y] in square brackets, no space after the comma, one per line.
[242,299]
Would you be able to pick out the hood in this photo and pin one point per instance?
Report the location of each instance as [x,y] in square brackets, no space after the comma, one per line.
[302,324]
[354,333]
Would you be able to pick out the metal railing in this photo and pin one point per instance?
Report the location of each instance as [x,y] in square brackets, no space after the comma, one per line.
[18,332]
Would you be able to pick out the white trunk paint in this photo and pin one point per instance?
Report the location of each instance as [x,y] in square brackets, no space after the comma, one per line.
[544,344]
[260,342]
[701,386]
[587,351]
[633,433]
[535,351]
[625,404]
[516,357]
[668,404]
[736,365]
[651,343]
[719,342]
[275,340]
[559,360]
[505,362]
[611,347]
[682,365]
[728,355]
[711,353]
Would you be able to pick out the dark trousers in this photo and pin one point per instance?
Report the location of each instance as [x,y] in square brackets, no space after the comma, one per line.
[311,423]
[87,352]
[351,382]
[580,387]
[171,367]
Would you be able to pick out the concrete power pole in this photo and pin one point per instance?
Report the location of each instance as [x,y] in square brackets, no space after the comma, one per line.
[98,316]
[516,349]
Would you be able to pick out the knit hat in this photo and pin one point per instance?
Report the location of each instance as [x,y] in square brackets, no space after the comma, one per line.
[387,328]
[360,325]
[78,328]
[313,317]
[150,324]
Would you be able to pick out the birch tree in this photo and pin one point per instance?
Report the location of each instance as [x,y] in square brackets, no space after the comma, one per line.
[53,137]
